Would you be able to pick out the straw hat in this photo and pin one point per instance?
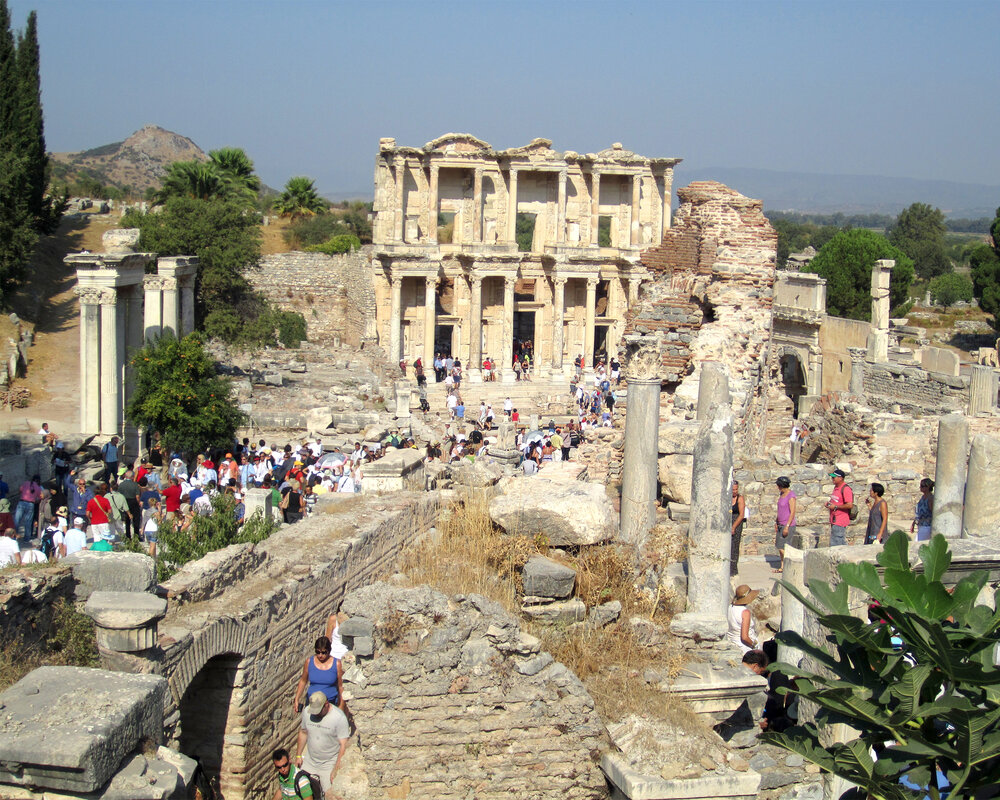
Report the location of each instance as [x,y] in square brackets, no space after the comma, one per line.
[744,595]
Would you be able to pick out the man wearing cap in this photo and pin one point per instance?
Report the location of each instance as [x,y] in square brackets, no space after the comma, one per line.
[322,740]
[840,503]
[109,454]
[74,539]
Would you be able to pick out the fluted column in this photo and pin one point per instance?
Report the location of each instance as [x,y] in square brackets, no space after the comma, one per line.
[559,310]
[561,209]
[400,170]
[588,334]
[152,310]
[90,360]
[512,208]
[595,206]
[171,317]
[395,320]
[112,356]
[636,189]
[476,323]
[430,318]
[668,191]
[508,329]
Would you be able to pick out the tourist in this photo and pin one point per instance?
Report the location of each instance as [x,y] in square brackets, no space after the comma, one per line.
[517,369]
[74,540]
[101,546]
[48,437]
[840,504]
[556,441]
[755,661]
[322,672]
[739,511]
[172,497]
[61,462]
[99,513]
[151,525]
[742,632]
[10,553]
[460,409]
[490,416]
[925,511]
[43,511]
[323,736]
[131,491]
[110,454]
[50,542]
[79,497]
[878,515]
[784,524]
[508,407]
[24,515]
[31,555]
[292,781]
[120,519]
[616,371]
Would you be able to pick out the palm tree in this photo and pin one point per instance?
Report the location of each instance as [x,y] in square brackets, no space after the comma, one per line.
[192,179]
[300,199]
[237,167]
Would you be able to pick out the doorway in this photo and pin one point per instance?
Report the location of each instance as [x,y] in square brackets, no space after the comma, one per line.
[794,379]
[524,334]
[601,343]
[442,339]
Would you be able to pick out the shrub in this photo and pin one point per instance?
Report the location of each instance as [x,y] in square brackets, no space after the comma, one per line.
[291,328]
[342,243]
[951,288]
[309,231]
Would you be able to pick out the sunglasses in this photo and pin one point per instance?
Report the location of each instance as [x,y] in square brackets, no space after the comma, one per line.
[281,767]
[322,652]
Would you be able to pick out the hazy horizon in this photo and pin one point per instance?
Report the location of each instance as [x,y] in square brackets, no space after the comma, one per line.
[893,89]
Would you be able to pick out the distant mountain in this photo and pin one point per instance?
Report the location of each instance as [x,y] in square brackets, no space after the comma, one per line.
[140,162]
[815,193]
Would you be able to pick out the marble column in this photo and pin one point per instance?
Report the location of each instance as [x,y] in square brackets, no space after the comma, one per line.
[981,516]
[588,334]
[713,388]
[709,530]
[395,320]
[878,337]
[152,307]
[134,340]
[633,291]
[112,356]
[595,206]
[512,208]
[949,475]
[982,389]
[476,325]
[432,206]
[634,217]
[400,175]
[430,319]
[90,360]
[187,306]
[507,356]
[477,201]
[171,315]
[668,192]
[792,611]
[642,422]
[558,322]
[561,209]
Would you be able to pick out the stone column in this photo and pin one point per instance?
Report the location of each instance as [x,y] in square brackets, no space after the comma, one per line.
[430,318]
[668,193]
[713,389]
[857,385]
[639,476]
[133,341]
[152,307]
[792,611]
[561,209]
[477,201]
[90,360]
[559,311]
[982,389]
[595,206]
[634,221]
[878,337]
[171,317]
[710,529]
[633,291]
[257,500]
[403,390]
[395,320]
[112,353]
[400,169]
[507,355]
[187,307]
[476,325]
[982,489]
[512,208]
[588,333]
[949,475]
[432,206]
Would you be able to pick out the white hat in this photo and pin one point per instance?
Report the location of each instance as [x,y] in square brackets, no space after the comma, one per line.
[79,521]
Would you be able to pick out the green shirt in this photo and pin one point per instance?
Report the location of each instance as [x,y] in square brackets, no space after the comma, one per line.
[288,784]
[103,545]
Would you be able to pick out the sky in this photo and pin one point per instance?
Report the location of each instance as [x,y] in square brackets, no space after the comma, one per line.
[899,89]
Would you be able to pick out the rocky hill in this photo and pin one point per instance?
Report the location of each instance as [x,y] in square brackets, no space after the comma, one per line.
[138,163]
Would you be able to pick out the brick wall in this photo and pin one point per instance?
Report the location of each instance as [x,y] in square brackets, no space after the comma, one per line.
[335,294]
[914,390]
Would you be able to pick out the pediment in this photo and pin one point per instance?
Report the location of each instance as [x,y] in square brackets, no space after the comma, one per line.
[457,143]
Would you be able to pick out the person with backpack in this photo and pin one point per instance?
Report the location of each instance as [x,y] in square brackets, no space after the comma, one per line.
[110,454]
[841,508]
[292,781]
[51,539]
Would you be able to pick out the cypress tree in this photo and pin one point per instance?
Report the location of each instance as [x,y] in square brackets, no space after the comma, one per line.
[31,132]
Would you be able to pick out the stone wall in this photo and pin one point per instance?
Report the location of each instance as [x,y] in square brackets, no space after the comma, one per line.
[914,390]
[836,334]
[26,600]
[335,294]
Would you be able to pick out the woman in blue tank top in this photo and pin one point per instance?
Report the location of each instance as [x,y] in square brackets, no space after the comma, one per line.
[322,673]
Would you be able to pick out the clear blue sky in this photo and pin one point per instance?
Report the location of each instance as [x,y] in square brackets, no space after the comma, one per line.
[903,89]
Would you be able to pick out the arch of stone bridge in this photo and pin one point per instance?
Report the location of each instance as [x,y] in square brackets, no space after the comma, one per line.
[225,636]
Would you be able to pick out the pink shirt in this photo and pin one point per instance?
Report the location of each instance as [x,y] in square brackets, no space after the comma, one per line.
[31,491]
[839,497]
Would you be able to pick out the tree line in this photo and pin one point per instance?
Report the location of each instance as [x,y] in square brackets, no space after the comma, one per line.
[26,209]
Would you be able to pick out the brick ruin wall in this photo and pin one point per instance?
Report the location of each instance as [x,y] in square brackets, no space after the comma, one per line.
[27,599]
[711,299]
[335,294]
[914,390]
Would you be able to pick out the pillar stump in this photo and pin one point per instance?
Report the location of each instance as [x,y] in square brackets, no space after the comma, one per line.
[949,475]
[981,513]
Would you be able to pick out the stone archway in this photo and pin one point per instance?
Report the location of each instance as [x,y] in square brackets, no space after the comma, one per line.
[792,370]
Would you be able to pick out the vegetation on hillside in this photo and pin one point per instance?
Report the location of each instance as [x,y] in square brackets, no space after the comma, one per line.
[846,263]
[346,219]
[984,259]
[300,199]
[919,231]
[26,209]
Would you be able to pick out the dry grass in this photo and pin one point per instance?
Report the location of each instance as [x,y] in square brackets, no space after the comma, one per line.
[469,555]
[70,642]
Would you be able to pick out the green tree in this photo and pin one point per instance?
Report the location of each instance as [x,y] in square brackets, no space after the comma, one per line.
[920,683]
[984,260]
[300,199]
[178,393]
[919,232]
[846,263]
[951,288]
[227,175]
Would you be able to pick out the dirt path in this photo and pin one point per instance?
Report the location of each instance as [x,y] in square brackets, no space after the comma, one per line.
[48,303]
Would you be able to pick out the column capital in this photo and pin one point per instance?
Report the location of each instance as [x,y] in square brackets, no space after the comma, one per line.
[170,284]
[396,280]
[476,281]
[432,280]
[153,283]
[592,284]
[88,295]
[642,358]
[108,297]
[559,280]
[508,283]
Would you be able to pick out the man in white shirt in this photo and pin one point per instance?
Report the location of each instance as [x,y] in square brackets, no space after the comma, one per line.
[316,448]
[29,555]
[74,539]
[10,553]
[508,407]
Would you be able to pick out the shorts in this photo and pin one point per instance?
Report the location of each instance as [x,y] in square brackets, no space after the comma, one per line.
[838,535]
[321,770]
[100,530]
[781,542]
[923,533]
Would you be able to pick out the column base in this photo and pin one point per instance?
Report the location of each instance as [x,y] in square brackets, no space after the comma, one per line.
[474,375]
